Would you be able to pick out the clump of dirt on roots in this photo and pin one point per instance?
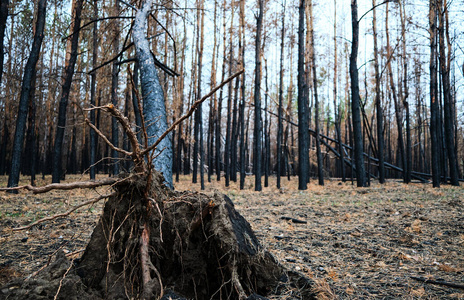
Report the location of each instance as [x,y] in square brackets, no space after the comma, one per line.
[168,245]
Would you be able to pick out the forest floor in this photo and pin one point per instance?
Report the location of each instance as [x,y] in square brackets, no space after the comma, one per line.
[357,243]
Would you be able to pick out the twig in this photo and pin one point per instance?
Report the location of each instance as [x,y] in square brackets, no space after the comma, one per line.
[190,112]
[64,186]
[439,282]
[65,213]
[106,139]
[293,220]
[61,281]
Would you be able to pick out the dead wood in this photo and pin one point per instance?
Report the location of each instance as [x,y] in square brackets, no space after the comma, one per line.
[63,186]
[439,282]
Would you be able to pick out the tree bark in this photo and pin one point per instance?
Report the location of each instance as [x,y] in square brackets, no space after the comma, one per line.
[320,173]
[152,93]
[447,99]
[257,99]
[242,98]
[3,18]
[355,105]
[303,115]
[93,83]
[114,91]
[378,104]
[29,74]
[434,108]
[71,57]
[279,117]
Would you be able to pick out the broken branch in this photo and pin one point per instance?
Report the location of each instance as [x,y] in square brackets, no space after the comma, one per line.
[63,186]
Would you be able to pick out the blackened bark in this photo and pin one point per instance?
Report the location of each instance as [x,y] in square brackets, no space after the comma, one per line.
[3,18]
[434,108]
[378,104]
[447,98]
[153,96]
[93,83]
[71,56]
[279,117]
[257,99]
[303,114]
[114,93]
[320,173]
[24,99]
[31,137]
[242,100]
[355,105]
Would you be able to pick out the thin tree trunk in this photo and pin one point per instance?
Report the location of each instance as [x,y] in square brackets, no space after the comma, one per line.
[303,118]
[3,18]
[355,105]
[29,74]
[447,99]
[378,103]
[93,83]
[257,99]
[279,120]
[320,173]
[227,150]
[114,92]
[242,98]
[71,56]
[434,108]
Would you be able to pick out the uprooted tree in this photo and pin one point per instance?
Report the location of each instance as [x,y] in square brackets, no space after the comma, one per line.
[152,242]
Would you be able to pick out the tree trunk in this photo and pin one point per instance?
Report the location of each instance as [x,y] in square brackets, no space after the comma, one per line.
[447,99]
[355,105]
[257,99]
[303,115]
[29,74]
[93,83]
[3,18]
[114,92]
[434,108]
[279,117]
[320,173]
[242,98]
[378,104]
[71,57]
[153,96]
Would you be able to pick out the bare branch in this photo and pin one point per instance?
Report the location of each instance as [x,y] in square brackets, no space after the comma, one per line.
[64,186]
[65,213]
[190,112]
[106,139]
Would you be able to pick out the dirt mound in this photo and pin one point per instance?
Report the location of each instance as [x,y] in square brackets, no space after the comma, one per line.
[176,244]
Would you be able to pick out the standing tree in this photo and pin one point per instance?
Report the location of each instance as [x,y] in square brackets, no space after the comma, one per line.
[3,18]
[29,75]
[434,107]
[257,98]
[114,90]
[279,114]
[303,113]
[71,57]
[355,99]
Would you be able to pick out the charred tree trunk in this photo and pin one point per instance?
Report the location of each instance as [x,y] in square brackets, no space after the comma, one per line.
[434,107]
[257,99]
[29,74]
[71,56]
[303,114]
[355,105]
[378,104]
[114,92]
[447,98]
[93,83]
[280,107]
[3,18]
[320,173]
[242,99]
